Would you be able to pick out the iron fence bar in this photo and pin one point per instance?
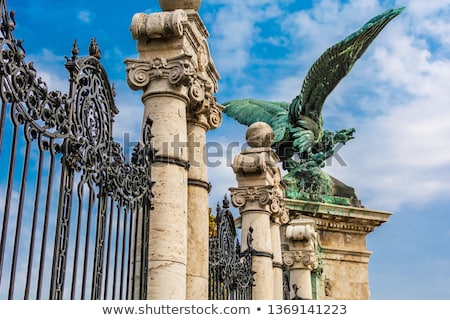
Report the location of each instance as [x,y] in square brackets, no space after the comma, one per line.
[116,250]
[108,248]
[20,213]
[46,219]
[62,234]
[133,260]
[231,274]
[35,219]
[82,120]
[145,248]
[99,246]
[8,198]
[129,261]
[80,193]
[2,121]
[123,253]
[86,241]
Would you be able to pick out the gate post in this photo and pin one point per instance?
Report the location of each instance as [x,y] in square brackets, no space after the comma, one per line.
[301,257]
[178,79]
[259,197]
[203,114]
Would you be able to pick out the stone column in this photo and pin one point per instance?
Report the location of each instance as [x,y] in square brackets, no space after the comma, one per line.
[202,116]
[178,78]
[277,262]
[301,258]
[259,198]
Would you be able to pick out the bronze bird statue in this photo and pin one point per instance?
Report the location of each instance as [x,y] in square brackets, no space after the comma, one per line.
[299,138]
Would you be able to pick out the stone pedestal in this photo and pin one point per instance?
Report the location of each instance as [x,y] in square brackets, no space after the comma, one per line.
[178,79]
[259,198]
[344,259]
[300,240]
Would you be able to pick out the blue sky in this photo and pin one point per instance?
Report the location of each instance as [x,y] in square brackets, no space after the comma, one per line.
[397,97]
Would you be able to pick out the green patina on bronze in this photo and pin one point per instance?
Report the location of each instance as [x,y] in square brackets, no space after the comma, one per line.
[300,141]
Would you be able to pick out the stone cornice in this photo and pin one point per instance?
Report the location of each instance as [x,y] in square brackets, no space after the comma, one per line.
[338,218]
[345,255]
[195,19]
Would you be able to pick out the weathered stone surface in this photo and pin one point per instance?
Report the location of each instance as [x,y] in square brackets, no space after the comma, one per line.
[178,79]
[341,234]
[300,240]
[259,134]
[170,5]
[259,197]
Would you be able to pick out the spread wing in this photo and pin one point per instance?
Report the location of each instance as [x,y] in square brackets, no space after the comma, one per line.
[249,111]
[333,65]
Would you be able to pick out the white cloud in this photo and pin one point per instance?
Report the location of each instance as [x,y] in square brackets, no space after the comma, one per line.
[328,22]
[396,97]
[234,31]
[50,67]
[85,16]
[402,155]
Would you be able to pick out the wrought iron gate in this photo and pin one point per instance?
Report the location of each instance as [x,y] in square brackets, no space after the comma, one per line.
[230,271]
[73,210]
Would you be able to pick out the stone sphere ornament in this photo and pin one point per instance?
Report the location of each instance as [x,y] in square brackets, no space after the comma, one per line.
[259,134]
[171,5]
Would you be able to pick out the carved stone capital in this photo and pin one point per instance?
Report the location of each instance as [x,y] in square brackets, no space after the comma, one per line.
[300,259]
[203,108]
[215,114]
[158,25]
[282,216]
[266,197]
[177,71]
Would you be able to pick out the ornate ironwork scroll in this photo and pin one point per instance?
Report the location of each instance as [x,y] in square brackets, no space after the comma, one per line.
[230,270]
[86,237]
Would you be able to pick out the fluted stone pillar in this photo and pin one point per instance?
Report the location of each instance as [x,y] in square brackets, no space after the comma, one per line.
[301,258]
[259,197]
[178,79]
